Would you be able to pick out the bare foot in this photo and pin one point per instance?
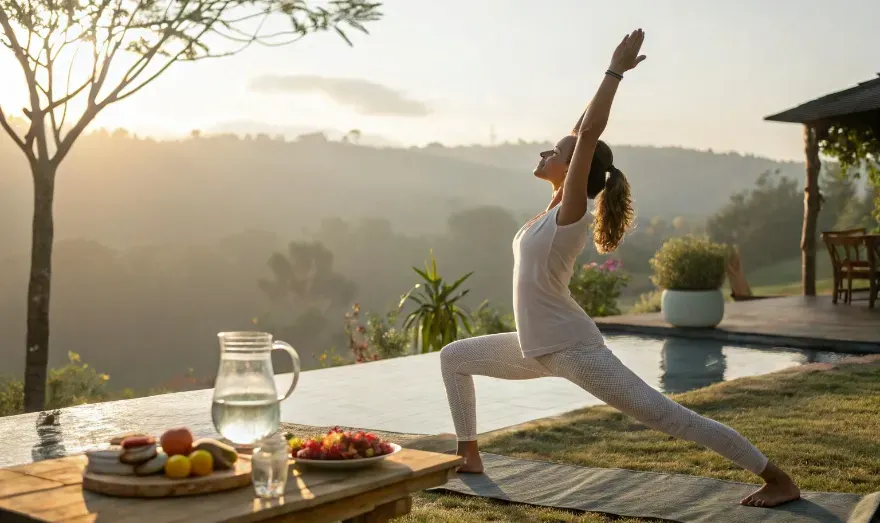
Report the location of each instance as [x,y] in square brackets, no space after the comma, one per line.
[473,464]
[778,489]
[772,495]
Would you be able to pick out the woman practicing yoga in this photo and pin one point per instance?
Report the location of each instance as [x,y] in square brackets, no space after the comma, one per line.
[554,335]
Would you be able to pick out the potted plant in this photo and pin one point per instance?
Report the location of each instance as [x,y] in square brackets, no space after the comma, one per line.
[690,270]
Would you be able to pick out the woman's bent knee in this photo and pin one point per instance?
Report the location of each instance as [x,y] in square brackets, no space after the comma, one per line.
[452,353]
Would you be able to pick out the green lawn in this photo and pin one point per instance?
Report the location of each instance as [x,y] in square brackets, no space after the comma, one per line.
[820,422]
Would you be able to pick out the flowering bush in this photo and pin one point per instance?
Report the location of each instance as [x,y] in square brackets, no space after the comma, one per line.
[378,339]
[597,287]
[689,263]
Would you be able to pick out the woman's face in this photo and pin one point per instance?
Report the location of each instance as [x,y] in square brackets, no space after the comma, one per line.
[554,163]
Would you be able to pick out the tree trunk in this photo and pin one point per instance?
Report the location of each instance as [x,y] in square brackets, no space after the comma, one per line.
[812,210]
[37,338]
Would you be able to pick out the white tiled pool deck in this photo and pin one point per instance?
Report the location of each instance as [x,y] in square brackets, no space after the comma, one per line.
[401,395]
[407,395]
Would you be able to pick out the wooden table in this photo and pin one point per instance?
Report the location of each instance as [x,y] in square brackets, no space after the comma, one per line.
[52,491]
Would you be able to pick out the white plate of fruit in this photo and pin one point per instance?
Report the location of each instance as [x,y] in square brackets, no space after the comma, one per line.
[341,450]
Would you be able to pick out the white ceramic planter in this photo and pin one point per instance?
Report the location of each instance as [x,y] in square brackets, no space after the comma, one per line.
[693,308]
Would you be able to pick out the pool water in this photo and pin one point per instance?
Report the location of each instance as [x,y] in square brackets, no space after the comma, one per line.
[681,364]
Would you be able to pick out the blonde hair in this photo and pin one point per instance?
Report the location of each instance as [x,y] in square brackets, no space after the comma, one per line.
[613,212]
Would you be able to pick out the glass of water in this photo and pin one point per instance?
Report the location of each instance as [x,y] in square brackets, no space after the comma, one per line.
[269,467]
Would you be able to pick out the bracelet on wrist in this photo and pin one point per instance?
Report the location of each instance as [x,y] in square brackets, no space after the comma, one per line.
[613,74]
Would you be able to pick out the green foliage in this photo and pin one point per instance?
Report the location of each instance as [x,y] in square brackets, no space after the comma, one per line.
[330,358]
[437,318]
[764,222]
[648,302]
[387,340]
[74,384]
[689,263]
[378,339]
[597,287]
[855,148]
[11,397]
[490,320]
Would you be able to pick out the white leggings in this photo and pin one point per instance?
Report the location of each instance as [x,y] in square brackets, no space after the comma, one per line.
[595,370]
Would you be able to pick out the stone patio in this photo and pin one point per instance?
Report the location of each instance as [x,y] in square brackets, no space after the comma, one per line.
[403,395]
[794,321]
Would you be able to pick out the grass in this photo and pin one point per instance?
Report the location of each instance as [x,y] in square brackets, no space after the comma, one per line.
[820,422]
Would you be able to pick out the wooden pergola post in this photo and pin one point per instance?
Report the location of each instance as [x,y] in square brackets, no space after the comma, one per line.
[812,210]
[857,105]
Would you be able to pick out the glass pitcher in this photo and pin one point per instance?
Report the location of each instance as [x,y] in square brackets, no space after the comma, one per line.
[245,406]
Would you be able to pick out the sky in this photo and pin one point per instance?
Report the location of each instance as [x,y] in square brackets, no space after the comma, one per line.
[474,71]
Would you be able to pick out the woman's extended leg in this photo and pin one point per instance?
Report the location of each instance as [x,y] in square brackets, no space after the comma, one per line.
[601,373]
[495,355]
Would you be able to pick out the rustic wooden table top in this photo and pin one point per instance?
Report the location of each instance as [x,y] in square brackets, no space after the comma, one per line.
[52,491]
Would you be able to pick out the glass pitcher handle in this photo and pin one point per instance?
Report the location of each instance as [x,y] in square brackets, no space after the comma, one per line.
[280,345]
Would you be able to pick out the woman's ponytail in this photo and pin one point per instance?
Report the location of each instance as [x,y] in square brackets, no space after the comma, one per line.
[613,212]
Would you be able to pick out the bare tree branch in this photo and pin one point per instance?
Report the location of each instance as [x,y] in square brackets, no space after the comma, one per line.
[11,132]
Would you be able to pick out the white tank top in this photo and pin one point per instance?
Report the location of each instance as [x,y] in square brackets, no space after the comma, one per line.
[548,318]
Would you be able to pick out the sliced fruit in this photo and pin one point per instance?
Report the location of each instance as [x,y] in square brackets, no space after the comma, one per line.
[117,440]
[178,466]
[114,468]
[137,455]
[137,441]
[152,466]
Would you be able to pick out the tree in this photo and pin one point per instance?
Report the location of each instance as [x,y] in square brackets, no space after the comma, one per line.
[307,274]
[125,45]
[764,222]
[856,148]
[437,318]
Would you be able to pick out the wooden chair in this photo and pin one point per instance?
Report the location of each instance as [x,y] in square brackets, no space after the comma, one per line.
[872,247]
[848,264]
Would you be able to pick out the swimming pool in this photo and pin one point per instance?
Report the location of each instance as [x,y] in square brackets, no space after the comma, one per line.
[682,364]
[399,395]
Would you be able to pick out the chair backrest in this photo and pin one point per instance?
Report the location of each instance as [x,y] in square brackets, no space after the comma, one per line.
[846,250]
[860,231]
[837,255]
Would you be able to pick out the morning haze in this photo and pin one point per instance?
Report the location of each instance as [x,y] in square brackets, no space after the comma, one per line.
[421,137]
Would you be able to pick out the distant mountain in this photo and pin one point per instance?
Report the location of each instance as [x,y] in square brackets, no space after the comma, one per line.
[253,128]
[122,190]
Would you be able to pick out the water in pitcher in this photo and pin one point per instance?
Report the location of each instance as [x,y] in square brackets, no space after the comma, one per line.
[246,418]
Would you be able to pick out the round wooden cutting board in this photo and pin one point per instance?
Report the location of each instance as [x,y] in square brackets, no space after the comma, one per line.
[159,486]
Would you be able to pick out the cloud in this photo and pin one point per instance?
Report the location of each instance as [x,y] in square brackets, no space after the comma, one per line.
[361,95]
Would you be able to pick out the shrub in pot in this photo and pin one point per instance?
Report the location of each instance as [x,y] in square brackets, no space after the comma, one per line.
[690,270]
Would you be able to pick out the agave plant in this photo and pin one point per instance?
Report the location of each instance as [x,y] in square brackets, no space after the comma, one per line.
[437,318]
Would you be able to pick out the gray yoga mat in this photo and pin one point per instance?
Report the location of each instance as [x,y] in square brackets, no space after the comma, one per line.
[671,497]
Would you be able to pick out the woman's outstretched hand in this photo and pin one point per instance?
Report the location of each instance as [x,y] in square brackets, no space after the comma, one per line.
[627,56]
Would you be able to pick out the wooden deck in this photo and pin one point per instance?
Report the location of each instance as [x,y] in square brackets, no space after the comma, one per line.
[802,322]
